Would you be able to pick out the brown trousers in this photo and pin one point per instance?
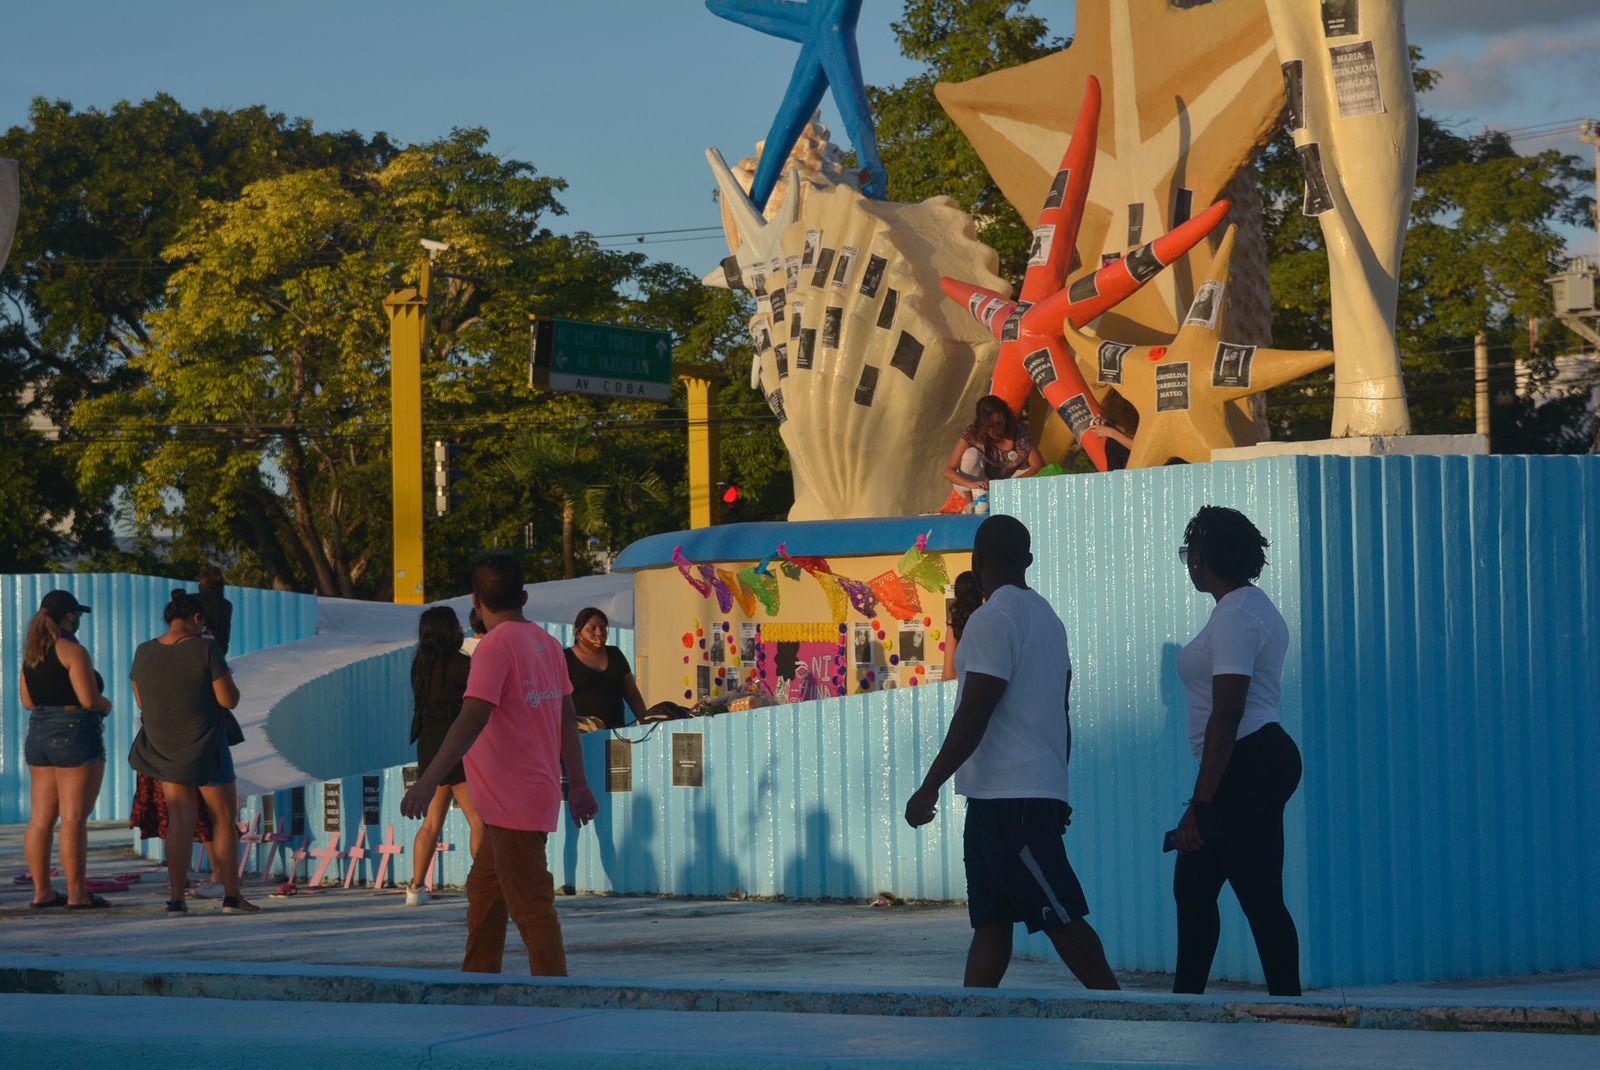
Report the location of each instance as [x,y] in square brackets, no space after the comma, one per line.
[510,877]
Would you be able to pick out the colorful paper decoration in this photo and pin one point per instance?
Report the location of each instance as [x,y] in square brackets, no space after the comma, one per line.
[690,572]
[838,603]
[924,569]
[740,590]
[862,600]
[764,586]
[898,595]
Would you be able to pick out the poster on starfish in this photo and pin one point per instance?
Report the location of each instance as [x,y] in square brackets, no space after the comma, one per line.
[1190,97]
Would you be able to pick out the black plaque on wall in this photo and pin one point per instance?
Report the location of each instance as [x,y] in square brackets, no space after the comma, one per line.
[369,799]
[332,809]
[688,760]
[297,811]
[619,765]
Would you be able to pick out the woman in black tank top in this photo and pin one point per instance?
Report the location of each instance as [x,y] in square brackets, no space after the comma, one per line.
[65,748]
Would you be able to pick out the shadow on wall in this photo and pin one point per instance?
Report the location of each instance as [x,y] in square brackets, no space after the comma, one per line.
[818,871]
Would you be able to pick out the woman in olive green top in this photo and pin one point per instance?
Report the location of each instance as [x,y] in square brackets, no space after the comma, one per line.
[183,687]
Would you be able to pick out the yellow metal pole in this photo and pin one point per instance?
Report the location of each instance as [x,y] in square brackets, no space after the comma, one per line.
[408,324]
[705,458]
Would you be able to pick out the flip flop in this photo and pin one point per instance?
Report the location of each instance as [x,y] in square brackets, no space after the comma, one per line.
[59,901]
[95,884]
[94,903]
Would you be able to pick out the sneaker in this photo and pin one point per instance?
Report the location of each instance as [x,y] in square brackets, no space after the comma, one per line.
[415,896]
[238,904]
[177,906]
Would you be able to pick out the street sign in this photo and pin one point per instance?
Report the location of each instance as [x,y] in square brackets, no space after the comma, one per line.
[599,358]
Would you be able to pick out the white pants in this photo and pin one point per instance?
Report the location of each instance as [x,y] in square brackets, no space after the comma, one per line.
[971,466]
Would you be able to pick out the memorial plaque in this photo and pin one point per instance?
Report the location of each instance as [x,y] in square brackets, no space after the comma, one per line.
[369,799]
[297,811]
[688,760]
[619,765]
[269,816]
[332,807]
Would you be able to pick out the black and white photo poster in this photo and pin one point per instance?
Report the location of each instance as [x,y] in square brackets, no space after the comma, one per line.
[1355,80]
[913,643]
[777,299]
[1341,18]
[872,278]
[1044,238]
[749,643]
[1319,198]
[1207,303]
[1294,89]
[797,317]
[867,386]
[819,278]
[1143,264]
[1135,223]
[861,643]
[1172,387]
[1040,368]
[891,300]
[1058,189]
[1231,365]
[1075,412]
[813,242]
[845,265]
[832,326]
[780,354]
[1111,355]
[761,333]
[806,357]
[791,273]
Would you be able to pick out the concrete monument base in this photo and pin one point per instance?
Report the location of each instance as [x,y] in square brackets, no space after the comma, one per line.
[1363,446]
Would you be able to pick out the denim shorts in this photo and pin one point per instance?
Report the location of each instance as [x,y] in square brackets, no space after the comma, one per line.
[223,775]
[64,738]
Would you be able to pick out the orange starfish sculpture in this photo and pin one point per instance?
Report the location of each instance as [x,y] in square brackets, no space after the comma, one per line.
[1033,352]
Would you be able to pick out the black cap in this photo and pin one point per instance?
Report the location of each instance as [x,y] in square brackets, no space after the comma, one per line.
[60,603]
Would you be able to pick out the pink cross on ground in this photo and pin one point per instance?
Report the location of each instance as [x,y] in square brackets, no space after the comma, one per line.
[388,849]
[249,836]
[433,863]
[277,841]
[300,854]
[357,852]
[327,854]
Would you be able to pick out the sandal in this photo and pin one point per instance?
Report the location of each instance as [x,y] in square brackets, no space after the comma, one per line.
[59,901]
[95,903]
[177,906]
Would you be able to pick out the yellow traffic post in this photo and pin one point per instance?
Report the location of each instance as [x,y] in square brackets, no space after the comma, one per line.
[705,457]
[408,326]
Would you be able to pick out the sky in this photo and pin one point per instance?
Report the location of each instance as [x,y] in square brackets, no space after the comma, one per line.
[622,97]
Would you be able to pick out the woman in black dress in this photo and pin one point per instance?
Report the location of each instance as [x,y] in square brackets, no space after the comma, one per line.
[602,679]
[438,684]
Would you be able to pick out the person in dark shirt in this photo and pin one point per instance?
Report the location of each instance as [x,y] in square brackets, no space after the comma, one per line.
[219,611]
[438,684]
[602,679]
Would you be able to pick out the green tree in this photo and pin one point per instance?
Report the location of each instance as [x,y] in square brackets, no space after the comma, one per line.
[1482,240]
[926,154]
[103,194]
[262,420]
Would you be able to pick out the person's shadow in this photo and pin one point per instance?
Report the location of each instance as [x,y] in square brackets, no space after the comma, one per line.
[816,871]
[601,832]
[709,869]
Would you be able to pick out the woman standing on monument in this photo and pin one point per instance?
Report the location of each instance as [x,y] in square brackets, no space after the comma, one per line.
[1232,831]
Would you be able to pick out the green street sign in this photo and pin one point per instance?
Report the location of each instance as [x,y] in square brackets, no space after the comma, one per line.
[599,358]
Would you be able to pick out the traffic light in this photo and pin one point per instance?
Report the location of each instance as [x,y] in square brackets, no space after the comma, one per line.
[444,472]
[732,504]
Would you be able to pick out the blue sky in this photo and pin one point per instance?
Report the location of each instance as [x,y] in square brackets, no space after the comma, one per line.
[621,97]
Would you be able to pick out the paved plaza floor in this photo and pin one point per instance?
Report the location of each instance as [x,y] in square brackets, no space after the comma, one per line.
[655,981]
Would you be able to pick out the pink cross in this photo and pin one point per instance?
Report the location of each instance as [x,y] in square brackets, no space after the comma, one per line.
[433,863]
[388,849]
[277,840]
[249,836]
[327,854]
[357,852]
[299,857]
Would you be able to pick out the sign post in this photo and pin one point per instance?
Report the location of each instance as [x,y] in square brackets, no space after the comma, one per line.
[599,358]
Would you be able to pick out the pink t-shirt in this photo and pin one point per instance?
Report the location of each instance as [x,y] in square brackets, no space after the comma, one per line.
[514,767]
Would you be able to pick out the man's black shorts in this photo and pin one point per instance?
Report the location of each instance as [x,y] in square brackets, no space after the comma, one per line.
[1017,868]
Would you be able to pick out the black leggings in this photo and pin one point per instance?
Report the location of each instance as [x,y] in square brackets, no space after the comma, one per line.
[1246,852]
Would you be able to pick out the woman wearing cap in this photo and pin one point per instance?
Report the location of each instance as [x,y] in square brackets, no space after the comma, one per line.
[1232,831]
[183,687]
[65,748]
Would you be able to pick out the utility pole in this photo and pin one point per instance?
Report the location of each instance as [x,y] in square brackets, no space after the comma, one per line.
[408,329]
[1480,375]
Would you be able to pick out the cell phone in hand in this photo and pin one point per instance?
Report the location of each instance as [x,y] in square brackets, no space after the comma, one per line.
[1169,842]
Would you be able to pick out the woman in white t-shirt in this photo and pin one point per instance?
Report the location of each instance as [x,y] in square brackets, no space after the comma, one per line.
[1232,831]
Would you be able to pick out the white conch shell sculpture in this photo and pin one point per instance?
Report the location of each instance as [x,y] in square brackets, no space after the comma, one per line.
[1355,128]
[10,206]
[871,372]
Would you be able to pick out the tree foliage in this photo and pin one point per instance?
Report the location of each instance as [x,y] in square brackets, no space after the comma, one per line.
[926,154]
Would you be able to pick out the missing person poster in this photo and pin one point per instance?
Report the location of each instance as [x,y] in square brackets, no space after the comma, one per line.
[808,349]
[1040,367]
[861,644]
[1076,413]
[1111,356]
[891,300]
[1231,366]
[1355,80]
[1044,237]
[1058,189]
[1319,198]
[832,326]
[791,273]
[777,299]
[749,643]
[1341,18]
[819,278]
[907,355]
[1135,223]
[1206,305]
[813,242]
[1294,88]
[844,266]
[761,333]
[1172,387]
[1143,264]
[867,386]
[872,278]
[913,645]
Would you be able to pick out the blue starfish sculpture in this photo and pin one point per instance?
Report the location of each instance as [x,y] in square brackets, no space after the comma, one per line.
[826,32]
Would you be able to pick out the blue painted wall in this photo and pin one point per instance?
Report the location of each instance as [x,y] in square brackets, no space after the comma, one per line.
[126,611]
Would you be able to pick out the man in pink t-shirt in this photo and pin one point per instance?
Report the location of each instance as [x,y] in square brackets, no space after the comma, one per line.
[516,728]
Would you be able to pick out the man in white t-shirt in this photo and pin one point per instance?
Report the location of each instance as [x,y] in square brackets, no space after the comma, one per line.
[1008,746]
